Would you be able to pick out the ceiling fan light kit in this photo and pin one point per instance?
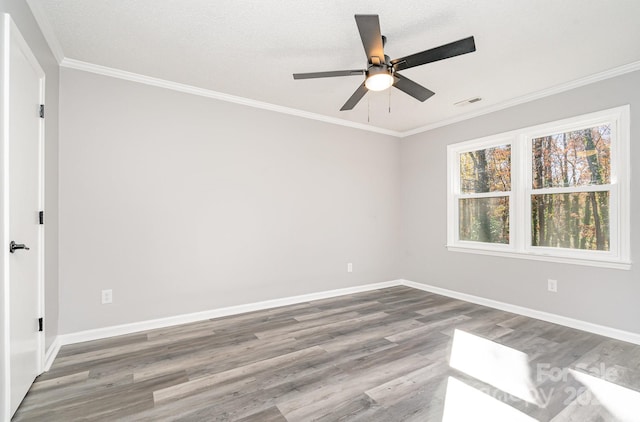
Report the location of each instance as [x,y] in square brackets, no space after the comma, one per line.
[378,78]
[382,73]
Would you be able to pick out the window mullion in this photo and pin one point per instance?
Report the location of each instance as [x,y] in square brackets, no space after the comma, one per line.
[496,194]
[519,208]
[571,189]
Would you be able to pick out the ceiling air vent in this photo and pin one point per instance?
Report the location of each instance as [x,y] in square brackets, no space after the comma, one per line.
[467,101]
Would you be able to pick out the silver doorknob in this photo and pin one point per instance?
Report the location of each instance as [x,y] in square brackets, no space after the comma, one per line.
[13,246]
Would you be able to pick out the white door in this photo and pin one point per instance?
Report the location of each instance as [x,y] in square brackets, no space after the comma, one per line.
[24,93]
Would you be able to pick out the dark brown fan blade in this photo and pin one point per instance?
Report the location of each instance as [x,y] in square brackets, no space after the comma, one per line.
[355,98]
[412,88]
[330,74]
[369,27]
[446,51]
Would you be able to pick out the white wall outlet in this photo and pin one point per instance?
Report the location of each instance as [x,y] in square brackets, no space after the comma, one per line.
[552,285]
[349,267]
[107,296]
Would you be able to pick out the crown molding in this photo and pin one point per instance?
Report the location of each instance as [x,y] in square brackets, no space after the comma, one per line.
[577,83]
[190,89]
[56,49]
[47,30]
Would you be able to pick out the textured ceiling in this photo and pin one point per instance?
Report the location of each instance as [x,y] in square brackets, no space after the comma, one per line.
[251,48]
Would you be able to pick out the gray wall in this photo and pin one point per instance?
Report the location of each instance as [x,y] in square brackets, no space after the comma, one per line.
[601,296]
[182,204]
[22,17]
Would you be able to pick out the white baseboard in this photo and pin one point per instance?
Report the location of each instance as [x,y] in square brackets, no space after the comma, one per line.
[106,332]
[135,327]
[531,313]
[51,353]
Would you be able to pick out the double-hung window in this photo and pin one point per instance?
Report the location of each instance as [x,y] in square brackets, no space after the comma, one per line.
[484,197]
[558,192]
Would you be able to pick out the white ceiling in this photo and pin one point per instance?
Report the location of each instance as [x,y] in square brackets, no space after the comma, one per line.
[250,48]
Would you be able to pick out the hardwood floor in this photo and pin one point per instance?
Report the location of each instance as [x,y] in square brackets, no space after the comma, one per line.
[396,354]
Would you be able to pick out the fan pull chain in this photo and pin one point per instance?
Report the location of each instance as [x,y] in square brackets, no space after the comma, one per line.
[368,111]
[389,101]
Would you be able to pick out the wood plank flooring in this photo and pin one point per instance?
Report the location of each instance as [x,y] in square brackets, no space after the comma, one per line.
[382,355]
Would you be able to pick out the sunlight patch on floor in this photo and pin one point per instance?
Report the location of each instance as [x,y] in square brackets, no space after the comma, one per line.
[465,403]
[623,403]
[500,366]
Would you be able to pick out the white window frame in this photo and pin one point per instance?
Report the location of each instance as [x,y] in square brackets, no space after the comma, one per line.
[519,245]
[454,225]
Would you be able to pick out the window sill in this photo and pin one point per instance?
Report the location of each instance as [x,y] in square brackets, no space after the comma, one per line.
[618,265]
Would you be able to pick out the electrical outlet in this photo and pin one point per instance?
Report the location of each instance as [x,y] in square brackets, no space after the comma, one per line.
[552,285]
[349,267]
[107,296]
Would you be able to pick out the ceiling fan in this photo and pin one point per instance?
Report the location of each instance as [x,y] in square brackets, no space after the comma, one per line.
[381,72]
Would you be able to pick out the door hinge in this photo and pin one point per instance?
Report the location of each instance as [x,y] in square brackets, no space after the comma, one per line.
[40,324]
[42,111]
[41,217]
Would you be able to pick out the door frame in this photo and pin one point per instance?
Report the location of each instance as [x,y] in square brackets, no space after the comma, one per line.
[11,33]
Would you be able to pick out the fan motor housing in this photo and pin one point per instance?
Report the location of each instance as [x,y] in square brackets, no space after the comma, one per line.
[377,69]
